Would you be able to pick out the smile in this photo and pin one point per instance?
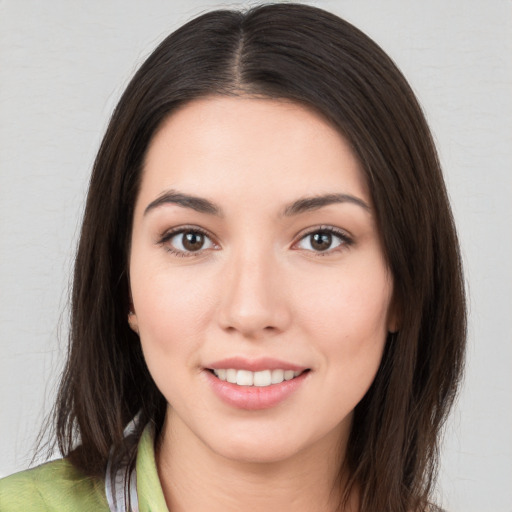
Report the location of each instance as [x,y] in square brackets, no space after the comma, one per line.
[261,378]
[255,390]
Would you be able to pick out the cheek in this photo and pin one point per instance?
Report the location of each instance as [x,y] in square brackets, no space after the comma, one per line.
[172,309]
[347,319]
[355,307]
[348,326]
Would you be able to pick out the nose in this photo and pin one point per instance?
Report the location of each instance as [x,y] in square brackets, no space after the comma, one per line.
[254,302]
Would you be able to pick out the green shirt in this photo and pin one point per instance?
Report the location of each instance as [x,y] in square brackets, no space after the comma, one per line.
[59,486]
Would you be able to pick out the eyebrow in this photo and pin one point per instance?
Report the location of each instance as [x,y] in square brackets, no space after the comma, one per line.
[202,205]
[307,204]
[198,204]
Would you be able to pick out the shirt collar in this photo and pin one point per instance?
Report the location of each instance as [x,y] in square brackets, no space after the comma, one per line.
[149,490]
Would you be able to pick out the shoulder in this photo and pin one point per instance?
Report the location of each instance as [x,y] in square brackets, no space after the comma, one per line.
[53,486]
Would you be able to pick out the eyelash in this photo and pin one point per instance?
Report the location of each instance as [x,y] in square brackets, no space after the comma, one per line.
[345,240]
[169,235]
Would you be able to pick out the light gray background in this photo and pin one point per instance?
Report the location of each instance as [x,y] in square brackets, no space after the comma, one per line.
[63,65]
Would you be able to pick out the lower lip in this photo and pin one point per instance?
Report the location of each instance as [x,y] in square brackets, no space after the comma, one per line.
[254,398]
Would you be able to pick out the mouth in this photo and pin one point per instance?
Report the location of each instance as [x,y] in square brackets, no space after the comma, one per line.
[259,379]
[255,384]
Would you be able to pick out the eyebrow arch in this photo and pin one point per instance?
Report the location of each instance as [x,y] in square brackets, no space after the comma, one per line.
[307,204]
[198,204]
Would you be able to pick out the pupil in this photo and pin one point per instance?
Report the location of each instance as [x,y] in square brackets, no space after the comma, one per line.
[321,241]
[193,241]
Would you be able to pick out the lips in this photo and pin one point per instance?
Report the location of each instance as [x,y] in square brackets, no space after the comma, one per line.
[254,365]
[254,384]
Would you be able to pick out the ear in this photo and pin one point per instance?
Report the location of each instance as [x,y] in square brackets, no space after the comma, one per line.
[133,321]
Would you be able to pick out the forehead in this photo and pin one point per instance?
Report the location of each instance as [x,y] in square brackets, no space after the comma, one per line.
[220,146]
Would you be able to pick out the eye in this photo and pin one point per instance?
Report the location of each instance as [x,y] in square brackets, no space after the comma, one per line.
[323,240]
[187,241]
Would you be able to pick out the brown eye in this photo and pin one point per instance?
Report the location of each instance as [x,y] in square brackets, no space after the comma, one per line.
[321,241]
[193,241]
[187,242]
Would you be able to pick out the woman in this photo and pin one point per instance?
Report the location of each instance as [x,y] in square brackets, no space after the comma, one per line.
[268,306]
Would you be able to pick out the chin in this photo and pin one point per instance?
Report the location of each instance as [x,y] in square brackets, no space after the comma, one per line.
[256,452]
[268,444]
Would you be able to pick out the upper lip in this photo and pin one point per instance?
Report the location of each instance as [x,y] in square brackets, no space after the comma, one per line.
[254,365]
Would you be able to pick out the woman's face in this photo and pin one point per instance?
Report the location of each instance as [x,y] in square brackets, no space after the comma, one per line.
[259,287]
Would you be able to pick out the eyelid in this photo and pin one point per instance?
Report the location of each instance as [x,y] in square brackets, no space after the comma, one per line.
[167,235]
[346,238]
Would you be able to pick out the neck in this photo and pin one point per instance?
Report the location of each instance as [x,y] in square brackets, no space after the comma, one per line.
[195,478]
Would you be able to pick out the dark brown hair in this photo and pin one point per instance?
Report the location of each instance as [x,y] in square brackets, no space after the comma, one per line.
[310,56]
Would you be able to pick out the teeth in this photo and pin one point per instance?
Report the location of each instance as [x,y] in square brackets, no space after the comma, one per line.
[222,374]
[288,375]
[230,376]
[258,379]
[244,378]
[263,378]
[277,376]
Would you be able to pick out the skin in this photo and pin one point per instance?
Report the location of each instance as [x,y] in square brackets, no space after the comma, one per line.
[256,288]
